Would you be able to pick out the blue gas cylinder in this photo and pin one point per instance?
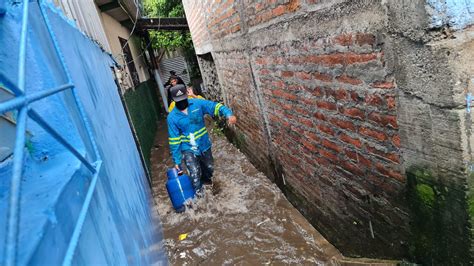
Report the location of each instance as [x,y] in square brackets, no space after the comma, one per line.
[179,189]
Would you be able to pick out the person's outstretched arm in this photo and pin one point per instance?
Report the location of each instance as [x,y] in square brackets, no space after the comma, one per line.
[216,109]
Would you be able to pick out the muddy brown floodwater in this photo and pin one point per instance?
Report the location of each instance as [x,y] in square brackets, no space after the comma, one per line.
[243,219]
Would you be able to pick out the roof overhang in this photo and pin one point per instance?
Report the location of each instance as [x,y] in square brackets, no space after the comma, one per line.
[124,11]
[166,24]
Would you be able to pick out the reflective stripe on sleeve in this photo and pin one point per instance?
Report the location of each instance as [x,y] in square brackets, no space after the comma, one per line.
[216,109]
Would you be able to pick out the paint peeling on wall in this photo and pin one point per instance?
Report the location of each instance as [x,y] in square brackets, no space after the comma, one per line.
[457,14]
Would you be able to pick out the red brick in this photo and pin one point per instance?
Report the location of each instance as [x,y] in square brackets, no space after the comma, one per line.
[389,172]
[318,92]
[330,93]
[283,106]
[351,168]
[276,119]
[326,105]
[396,141]
[384,120]
[383,85]
[347,139]
[323,77]
[305,122]
[391,103]
[373,133]
[278,84]
[265,16]
[373,100]
[301,111]
[279,60]
[264,72]
[341,94]
[303,75]
[294,87]
[352,58]
[312,137]
[328,59]
[326,129]
[331,145]
[349,80]
[235,28]
[364,38]
[287,74]
[328,155]
[322,160]
[351,155]
[354,113]
[343,124]
[261,61]
[391,156]
[344,39]
[310,146]
[364,161]
[297,59]
[284,95]
[320,116]
[293,5]
[278,10]
[356,97]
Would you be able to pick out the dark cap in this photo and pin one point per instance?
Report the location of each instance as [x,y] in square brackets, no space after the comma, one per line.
[179,92]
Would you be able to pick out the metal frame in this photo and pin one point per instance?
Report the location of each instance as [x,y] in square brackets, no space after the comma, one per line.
[22,102]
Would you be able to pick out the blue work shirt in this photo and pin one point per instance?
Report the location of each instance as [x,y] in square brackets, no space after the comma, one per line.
[181,126]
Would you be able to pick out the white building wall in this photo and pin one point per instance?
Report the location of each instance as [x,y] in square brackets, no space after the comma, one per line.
[114,30]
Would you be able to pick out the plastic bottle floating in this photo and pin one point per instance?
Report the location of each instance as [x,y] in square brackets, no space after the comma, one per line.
[179,189]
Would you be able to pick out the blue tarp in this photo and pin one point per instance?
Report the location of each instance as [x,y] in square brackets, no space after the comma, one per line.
[121,226]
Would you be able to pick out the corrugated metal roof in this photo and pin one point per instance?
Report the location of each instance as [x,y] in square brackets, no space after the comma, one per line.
[177,64]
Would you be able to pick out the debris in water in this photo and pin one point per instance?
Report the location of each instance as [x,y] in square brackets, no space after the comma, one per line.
[199,252]
[262,222]
[182,255]
[182,237]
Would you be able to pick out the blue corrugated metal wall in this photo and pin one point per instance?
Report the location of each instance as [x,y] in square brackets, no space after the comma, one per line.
[120,226]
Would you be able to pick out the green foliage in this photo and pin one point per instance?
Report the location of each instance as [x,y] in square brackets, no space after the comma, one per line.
[172,40]
[426,194]
[169,40]
[217,130]
[439,212]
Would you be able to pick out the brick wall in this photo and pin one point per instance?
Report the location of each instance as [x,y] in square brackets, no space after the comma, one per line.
[223,18]
[333,118]
[337,100]
[240,93]
[196,13]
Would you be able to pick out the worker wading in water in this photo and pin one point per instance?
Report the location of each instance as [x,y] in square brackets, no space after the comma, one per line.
[188,137]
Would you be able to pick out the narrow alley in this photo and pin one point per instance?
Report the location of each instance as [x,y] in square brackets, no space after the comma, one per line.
[342,132]
[243,219]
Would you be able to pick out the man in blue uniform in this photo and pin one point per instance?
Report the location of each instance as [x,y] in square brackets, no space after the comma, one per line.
[188,137]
